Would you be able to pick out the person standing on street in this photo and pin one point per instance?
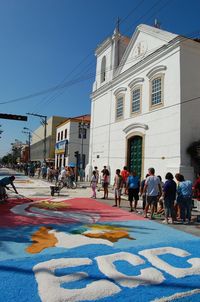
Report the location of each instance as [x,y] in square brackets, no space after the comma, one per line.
[133,186]
[169,195]
[93,184]
[142,193]
[151,187]
[196,187]
[184,198]
[97,173]
[125,174]
[118,184]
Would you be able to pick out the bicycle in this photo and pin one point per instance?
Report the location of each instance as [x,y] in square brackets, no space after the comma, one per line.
[67,182]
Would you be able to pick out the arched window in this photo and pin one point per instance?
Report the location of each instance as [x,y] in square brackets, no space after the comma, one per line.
[156,90]
[103,69]
[156,78]
[136,100]
[119,113]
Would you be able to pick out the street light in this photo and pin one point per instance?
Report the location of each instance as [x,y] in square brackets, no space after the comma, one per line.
[83,126]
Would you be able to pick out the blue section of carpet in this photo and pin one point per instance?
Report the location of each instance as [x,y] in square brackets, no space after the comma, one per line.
[18,281]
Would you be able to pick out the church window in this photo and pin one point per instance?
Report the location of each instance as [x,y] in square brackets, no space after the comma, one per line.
[103,69]
[156,90]
[136,100]
[119,107]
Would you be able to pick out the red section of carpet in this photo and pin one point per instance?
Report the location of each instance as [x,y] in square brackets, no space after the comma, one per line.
[75,205]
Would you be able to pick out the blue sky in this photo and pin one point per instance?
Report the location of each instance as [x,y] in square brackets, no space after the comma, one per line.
[43,42]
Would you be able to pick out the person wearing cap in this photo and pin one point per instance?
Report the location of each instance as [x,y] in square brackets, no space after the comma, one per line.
[4,182]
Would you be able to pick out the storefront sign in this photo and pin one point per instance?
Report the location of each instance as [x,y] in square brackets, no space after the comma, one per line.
[61,147]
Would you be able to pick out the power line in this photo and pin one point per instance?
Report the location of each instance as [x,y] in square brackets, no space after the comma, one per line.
[86,77]
[62,85]
[120,22]
[155,110]
[149,10]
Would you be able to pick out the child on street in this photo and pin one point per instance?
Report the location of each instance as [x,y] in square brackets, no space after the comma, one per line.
[93,184]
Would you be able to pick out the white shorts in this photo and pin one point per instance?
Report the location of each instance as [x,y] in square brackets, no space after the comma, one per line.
[118,192]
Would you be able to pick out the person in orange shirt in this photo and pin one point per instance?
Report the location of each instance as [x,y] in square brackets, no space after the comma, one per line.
[125,174]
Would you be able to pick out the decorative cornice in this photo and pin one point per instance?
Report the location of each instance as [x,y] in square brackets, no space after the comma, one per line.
[135,82]
[135,126]
[103,46]
[155,70]
[151,58]
[119,90]
[165,36]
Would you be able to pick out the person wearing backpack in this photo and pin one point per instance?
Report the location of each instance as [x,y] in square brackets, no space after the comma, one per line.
[133,186]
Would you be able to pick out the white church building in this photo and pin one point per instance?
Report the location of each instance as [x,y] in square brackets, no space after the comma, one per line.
[145,107]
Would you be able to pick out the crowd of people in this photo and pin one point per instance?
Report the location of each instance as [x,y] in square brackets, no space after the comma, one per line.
[172,199]
[45,171]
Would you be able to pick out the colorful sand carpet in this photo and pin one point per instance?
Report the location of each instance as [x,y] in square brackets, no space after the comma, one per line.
[82,250]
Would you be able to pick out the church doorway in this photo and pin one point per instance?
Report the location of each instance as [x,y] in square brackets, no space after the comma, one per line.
[135,154]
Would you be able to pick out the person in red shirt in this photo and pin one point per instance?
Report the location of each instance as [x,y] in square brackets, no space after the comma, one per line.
[124,174]
[196,187]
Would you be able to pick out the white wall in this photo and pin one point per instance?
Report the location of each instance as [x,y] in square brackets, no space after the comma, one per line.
[162,139]
[108,54]
[190,88]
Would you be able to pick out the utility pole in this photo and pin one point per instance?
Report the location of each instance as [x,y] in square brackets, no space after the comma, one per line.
[82,126]
[29,142]
[44,123]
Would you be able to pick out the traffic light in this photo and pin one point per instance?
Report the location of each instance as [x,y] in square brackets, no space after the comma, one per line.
[76,154]
[13,117]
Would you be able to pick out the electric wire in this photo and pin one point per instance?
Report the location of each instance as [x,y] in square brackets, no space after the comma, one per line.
[120,22]
[46,91]
[52,98]
[86,77]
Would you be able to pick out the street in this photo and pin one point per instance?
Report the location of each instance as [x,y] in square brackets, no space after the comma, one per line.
[74,248]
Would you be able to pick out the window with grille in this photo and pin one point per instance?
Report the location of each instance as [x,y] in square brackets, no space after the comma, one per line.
[156,91]
[135,106]
[119,108]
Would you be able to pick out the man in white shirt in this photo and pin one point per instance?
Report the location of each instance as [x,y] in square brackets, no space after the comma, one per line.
[152,187]
[63,174]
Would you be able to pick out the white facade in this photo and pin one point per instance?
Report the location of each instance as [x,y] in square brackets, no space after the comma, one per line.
[163,69]
[69,140]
